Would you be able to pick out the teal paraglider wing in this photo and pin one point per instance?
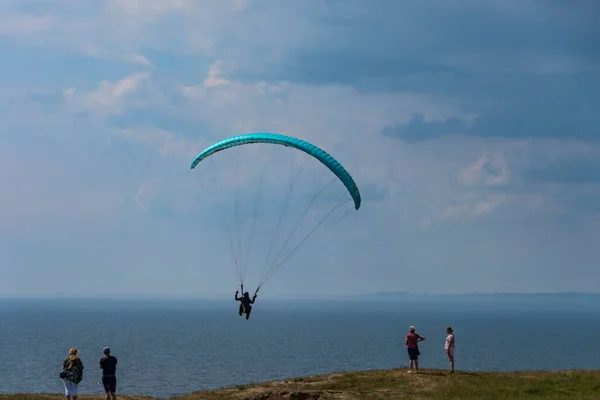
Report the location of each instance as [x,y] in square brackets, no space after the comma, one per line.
[273,138]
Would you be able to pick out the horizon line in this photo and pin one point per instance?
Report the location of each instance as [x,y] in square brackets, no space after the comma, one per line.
[98,296]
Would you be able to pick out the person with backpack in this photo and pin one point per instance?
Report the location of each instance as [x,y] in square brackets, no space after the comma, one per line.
[72,373]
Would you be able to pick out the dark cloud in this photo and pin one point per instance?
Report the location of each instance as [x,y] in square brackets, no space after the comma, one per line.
[353,41]
[574,170]
[418,130]
[526,69]
[518,106]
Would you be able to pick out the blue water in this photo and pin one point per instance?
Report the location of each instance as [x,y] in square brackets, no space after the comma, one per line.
[174,347]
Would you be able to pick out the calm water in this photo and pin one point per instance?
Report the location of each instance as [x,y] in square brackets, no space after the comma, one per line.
[174,347]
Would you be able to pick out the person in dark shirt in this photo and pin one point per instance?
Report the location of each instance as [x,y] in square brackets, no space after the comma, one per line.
[108,364]
[245,302]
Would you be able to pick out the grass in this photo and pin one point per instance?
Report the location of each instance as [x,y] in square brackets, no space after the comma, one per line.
[397,384]
[62,397]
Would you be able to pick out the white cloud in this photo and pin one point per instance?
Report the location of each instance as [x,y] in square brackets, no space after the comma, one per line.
[138,59]
[129,57]
[148,190]
[108,98]
[213,79]
[490,169]
[473,206]
[214,75]
[167,142]
[123,29]
[148,10]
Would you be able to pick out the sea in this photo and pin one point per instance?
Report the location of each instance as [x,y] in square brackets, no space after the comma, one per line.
[172,347]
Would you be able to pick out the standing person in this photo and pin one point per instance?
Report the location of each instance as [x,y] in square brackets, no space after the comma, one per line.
[412,343]
[72,373]
[449,346]
[108,364]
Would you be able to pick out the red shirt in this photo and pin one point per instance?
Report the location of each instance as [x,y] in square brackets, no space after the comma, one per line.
[411,340]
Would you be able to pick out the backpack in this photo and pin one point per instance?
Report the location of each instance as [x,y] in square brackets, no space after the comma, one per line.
[73,374]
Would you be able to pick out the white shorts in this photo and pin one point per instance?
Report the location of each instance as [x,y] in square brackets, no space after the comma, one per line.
[70,388]
[450,351]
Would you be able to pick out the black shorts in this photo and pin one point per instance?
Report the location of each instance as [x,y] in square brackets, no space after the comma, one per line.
[109,383]
[413,353]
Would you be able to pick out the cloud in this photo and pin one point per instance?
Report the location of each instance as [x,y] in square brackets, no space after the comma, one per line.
[214,73]
[349,43]
[489,170]
[418,129]
[472,207]
[213,79]
[534,110]
[148,190]
[129,57]
[168,143]
[581,170]
[108,98]
[462,136]
[19,24]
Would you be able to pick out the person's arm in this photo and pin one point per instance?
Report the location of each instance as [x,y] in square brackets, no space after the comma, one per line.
[420,338]
[406,340]
[253,298]
[236,297]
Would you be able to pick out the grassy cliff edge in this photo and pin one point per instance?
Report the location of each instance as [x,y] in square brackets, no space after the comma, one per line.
[397,384]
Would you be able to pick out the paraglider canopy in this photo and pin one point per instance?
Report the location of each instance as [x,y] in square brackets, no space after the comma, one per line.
[273,138]
[239,179]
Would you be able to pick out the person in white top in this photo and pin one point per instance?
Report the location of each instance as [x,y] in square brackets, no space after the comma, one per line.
[450,347]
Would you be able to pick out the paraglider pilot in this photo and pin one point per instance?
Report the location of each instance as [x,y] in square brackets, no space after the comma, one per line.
[245,302]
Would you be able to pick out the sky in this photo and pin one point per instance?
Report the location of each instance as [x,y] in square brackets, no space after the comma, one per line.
[470,128]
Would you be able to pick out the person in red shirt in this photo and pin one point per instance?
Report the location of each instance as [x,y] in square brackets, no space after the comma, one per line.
[412,343]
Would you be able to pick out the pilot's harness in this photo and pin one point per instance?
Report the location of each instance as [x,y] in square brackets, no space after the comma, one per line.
[243,306]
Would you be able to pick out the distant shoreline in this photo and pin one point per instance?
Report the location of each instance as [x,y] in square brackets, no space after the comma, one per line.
[362,297]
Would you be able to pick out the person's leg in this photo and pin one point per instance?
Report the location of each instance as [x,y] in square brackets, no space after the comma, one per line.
[74,390]
[110,387]
[106,388]
[67,389]
[248,311]
[451,357]
[240,309]
[113,388]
